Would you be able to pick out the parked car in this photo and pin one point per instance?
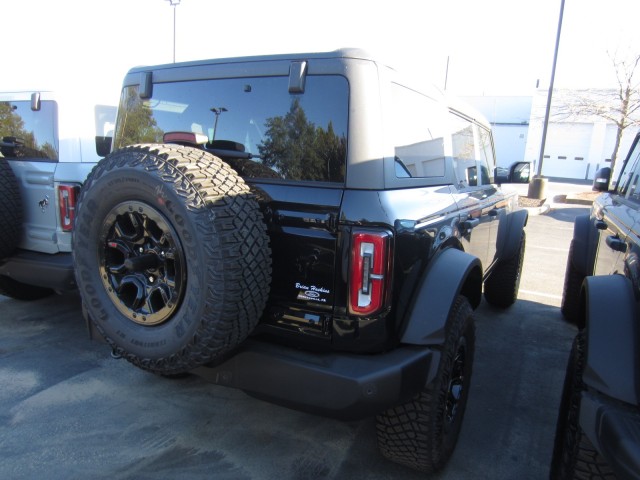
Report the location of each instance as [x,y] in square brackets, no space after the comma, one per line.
[598,430]
[312,229]
[48,145]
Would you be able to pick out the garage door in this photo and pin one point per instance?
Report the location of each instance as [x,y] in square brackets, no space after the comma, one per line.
[566,150]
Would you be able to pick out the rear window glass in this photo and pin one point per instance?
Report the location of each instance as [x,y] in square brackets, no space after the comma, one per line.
[254,124]
[28,134]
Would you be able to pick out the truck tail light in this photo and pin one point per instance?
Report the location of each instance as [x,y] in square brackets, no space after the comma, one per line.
[67,199]
[370,272]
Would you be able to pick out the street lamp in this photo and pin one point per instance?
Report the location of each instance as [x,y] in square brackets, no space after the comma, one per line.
[217,111]
[538,182]
[174,4]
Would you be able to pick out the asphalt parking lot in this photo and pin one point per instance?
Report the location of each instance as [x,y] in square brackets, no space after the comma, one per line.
[68,410]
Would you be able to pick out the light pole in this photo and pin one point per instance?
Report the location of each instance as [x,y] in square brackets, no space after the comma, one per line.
[217,111]
[174,4]
[537,185]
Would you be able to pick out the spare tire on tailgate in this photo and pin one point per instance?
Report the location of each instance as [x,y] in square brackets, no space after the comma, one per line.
[10,210]
[171,256]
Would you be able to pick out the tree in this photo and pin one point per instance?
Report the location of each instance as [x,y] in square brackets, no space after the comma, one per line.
[620,106]
[299,150]
[138,125]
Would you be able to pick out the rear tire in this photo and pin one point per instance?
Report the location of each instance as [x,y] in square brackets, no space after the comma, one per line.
[501,288]
[573,279]
[422,433]
[10,210]
[574,456]
[171,256]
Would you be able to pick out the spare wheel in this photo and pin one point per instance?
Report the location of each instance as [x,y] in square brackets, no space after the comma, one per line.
[10,210]
[171,256]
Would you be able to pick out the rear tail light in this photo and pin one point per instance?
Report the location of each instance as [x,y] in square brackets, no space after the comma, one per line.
[67,199]
[370,272]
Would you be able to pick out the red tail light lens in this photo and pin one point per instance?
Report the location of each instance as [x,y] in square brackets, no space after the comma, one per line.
[370,270]
[67,199]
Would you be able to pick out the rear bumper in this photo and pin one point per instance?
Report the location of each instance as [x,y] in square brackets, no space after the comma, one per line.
[614,428]
[338,385]
[41,269]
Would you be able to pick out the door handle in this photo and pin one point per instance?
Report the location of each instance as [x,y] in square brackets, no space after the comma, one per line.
[616,243]
[600,224]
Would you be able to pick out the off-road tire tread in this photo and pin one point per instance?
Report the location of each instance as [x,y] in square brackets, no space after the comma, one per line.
[412,434]
[574,456]
[10,210]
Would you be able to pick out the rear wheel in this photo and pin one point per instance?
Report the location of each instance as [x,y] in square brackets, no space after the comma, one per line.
[171,256]
[571,291]
[574,456]
[501,288]
[423,432]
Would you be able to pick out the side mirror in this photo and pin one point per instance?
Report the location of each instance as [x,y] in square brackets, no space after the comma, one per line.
[519,172]
[103,146]
[602,180]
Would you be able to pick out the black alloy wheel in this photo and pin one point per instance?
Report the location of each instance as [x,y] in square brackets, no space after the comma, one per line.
[141,263]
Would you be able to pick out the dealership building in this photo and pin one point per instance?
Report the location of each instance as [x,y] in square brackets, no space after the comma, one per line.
[576,145]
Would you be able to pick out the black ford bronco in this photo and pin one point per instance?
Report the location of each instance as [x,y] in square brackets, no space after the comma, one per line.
[598,429]
[311,229]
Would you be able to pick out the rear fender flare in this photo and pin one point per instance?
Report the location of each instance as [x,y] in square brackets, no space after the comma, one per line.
[451,273]
[612,336]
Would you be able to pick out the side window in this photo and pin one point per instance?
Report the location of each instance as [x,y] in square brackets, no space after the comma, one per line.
[105,117]
[418,124]
[472,152]
[465,164]
[487,158]
[630,177]
[28,134]
[254,124]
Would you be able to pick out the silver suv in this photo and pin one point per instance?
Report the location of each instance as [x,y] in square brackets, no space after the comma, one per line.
[48,145]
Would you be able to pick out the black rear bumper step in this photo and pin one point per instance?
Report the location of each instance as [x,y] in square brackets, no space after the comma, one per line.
[46,270]
[338,385]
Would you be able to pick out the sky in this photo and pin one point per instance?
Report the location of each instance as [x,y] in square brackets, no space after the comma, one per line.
[481,47]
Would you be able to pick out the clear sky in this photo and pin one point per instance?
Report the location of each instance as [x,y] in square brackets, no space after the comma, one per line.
[494,47]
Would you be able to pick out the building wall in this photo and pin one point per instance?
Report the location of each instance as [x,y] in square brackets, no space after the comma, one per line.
[575,147]
[509,117]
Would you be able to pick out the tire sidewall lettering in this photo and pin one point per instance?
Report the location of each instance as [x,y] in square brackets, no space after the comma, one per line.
[115,186]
